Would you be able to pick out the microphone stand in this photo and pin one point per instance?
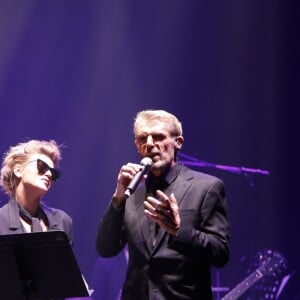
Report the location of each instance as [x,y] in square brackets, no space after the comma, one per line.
[191,161]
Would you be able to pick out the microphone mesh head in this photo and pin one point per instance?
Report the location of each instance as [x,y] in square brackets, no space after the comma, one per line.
[146,161]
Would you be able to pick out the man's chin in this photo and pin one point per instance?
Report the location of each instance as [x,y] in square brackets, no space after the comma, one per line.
[159,167]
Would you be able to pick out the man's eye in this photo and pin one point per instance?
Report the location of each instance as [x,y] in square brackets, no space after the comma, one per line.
[154,137]
[141,139]
[158,137]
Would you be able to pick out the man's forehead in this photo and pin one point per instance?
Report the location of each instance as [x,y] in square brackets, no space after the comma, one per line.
[153,125]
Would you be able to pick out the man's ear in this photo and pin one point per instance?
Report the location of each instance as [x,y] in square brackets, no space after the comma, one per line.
[137,146]
[179,142]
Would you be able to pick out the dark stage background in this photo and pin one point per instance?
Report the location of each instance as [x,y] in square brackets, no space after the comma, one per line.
[78,71]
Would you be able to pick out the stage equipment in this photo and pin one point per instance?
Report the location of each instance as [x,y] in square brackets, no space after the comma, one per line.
[39,265]
[269,266]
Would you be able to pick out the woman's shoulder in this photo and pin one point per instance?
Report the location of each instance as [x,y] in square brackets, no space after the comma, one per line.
[55,212]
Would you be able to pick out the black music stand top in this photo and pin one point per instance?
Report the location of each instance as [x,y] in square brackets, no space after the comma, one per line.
[39,265]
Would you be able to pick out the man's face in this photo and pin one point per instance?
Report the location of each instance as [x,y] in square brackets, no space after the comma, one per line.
[154,139]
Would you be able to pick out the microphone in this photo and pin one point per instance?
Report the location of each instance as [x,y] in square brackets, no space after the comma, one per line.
[146,162]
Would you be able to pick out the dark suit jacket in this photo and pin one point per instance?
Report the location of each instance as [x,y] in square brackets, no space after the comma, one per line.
[176,267]
[10,221]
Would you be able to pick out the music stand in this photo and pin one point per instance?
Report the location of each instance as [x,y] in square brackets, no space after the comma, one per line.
[39,265]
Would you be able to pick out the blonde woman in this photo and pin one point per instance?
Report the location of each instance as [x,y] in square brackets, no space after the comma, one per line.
[29,169]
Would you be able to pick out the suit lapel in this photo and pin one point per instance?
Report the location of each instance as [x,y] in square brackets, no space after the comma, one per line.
[139,197]
[179,189]
[52,220]
[13,215]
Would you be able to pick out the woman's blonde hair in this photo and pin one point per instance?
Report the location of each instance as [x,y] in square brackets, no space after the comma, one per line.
[19,154]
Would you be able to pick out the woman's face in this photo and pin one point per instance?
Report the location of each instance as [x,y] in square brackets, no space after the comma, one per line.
[37,174]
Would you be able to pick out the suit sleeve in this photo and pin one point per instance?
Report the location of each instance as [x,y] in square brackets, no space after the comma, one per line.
[110,238]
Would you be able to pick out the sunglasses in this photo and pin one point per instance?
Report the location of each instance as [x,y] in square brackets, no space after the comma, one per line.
[43,168]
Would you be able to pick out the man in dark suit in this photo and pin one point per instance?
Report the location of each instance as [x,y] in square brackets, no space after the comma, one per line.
[176,224]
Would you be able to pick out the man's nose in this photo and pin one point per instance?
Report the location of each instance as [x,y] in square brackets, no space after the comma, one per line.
[149,140]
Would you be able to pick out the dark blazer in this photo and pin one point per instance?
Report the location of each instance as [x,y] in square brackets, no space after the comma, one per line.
[10,221]
[176,267]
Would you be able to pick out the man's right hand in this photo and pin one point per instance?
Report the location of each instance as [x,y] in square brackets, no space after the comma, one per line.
[125,175]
